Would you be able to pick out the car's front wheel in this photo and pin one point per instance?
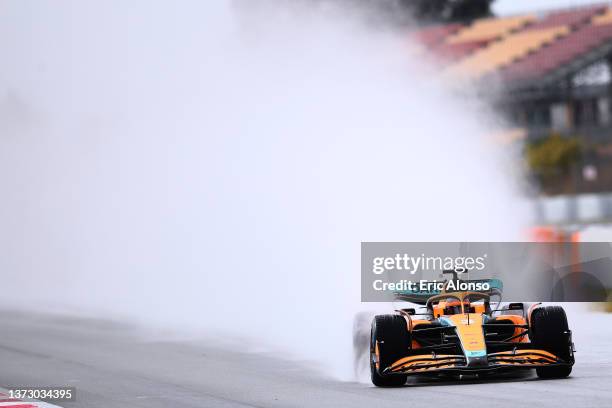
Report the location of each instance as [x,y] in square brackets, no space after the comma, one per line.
[549,331]
[389,341]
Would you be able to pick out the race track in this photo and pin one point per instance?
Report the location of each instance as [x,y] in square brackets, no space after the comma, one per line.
[112,365]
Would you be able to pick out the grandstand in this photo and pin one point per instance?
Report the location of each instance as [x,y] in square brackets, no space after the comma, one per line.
[554,68]
[525,48]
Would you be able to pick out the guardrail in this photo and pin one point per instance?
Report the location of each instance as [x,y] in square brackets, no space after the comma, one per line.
[574,209]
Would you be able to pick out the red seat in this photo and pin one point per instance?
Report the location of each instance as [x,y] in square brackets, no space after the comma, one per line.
[558,53]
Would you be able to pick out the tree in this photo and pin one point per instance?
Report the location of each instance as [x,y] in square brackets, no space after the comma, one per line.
[553,155]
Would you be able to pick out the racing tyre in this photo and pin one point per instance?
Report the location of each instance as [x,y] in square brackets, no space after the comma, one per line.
[549,332]
[390,334]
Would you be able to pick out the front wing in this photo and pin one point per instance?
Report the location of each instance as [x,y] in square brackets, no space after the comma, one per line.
[499,361]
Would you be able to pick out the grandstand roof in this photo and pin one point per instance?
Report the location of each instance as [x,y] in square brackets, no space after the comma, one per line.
[526,49]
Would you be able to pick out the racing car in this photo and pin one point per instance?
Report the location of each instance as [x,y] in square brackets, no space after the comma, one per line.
[459,333]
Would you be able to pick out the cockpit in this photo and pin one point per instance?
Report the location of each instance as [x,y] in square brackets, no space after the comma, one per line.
[447,304]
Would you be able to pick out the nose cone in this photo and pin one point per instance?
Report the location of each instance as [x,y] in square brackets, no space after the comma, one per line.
[477,361]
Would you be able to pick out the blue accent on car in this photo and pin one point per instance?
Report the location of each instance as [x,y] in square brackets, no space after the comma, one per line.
[480,353]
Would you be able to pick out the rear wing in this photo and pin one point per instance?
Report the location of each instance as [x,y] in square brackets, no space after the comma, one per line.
[427,289]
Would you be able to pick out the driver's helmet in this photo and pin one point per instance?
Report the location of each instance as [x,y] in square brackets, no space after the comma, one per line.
[452,309]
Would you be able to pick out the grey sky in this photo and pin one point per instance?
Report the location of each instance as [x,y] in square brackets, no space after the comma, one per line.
[518,6]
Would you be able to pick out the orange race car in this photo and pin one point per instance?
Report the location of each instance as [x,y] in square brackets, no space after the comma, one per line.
[459,333]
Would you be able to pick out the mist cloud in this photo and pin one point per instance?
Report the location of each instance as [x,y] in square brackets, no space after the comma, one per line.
[166,162]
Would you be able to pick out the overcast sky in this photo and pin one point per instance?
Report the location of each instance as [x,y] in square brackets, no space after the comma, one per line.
[518,6]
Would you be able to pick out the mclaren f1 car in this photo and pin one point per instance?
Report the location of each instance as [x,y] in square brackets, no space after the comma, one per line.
[460,333]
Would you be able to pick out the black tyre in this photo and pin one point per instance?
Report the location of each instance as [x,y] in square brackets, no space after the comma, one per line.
[549,331]
[391,335]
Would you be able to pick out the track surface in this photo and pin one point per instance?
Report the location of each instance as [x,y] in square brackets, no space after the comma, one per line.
[111,365]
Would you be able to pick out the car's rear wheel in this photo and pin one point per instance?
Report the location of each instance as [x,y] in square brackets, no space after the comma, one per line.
[549,330]
[390,341]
